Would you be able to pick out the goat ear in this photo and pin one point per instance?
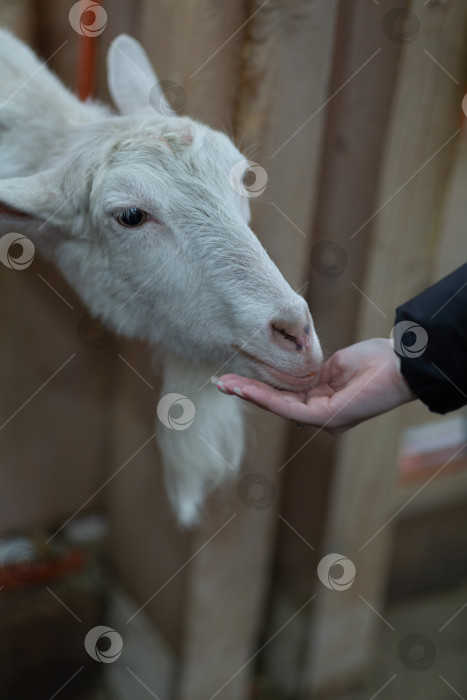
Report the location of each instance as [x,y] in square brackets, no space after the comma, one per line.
[36,196]
[133,84]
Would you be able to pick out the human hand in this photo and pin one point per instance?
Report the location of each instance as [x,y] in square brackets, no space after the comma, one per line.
[356,383]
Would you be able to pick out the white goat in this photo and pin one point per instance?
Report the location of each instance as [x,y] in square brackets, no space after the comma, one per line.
[144,223]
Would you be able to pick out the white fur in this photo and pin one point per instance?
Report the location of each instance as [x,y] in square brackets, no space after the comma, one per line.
[193,280]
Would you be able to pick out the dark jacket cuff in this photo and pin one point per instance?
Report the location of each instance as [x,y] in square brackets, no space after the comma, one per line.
[430,335]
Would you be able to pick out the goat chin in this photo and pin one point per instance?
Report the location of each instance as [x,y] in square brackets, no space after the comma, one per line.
[199,458]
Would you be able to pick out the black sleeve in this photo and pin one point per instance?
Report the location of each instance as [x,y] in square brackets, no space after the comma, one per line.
[430,335]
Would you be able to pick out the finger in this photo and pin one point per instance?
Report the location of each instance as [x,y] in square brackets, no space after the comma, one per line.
[278,402]
[283,403]
[290,406]
[230,382]
[319,390]
[228,379]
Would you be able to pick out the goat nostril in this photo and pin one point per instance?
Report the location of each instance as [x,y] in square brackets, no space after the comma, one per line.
[288,336]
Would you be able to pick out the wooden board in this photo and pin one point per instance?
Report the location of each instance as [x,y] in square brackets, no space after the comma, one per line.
[418,156]
[451,240]
[360,95]
[17,16]
[429,551]
[53,424]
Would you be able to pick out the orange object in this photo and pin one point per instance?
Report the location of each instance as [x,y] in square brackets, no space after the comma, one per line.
[17,576]
[429,448]
[86,65]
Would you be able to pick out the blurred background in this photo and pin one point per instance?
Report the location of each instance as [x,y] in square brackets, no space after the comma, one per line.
[354,109]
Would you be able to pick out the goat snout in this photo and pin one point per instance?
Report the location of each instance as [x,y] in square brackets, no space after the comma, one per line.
[291,335]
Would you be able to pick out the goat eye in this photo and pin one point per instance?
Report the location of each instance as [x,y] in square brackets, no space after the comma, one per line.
[131,217]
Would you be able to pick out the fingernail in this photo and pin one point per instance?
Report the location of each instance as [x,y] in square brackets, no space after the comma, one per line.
[221,387]
[215,380]
[237,391]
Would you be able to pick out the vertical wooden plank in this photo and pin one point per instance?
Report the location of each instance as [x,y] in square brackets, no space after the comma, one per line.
[17,16]
[198,46]
[418,155]
[281,115]
[55,39]
[359,95]
[451,241]
[55,384]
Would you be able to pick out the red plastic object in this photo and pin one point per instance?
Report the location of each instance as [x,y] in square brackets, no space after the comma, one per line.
[14,577]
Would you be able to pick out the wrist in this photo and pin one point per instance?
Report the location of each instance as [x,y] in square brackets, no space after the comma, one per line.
[406,392]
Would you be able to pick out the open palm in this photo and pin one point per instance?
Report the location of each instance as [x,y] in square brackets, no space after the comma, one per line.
[356,383]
